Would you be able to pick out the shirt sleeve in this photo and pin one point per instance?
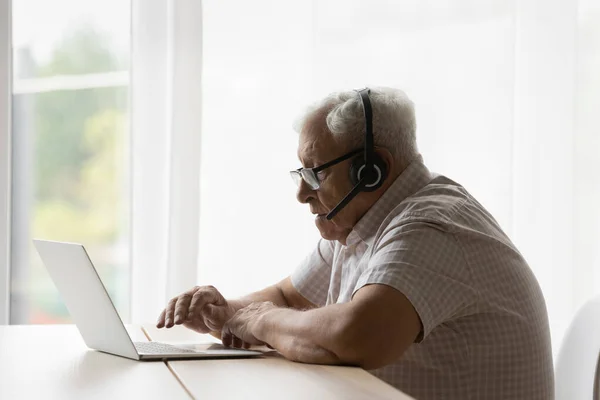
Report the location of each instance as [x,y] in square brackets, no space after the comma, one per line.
[425,263]
[311,278]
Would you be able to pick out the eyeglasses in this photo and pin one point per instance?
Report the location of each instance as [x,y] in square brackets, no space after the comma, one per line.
[309,175]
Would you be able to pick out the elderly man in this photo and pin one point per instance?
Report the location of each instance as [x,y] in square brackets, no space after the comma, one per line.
[412,280]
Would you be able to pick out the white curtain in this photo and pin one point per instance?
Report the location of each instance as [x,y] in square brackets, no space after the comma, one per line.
[165,151]
[506,96]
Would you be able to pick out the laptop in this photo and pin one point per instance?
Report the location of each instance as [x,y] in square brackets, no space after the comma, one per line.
[96,317]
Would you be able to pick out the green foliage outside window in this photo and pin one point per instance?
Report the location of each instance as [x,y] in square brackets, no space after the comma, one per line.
[80,142]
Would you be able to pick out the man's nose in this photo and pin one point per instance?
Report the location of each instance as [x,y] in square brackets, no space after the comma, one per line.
[304,192]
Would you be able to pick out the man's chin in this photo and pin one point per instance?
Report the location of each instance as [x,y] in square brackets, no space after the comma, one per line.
[329,230]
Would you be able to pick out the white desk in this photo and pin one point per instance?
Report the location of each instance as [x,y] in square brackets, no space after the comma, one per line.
[271,377]
[53,362]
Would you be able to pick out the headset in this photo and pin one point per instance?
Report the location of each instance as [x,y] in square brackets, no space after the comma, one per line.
[369,172]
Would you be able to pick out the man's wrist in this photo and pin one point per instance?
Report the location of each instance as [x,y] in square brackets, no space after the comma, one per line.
[237,305]
[266,324]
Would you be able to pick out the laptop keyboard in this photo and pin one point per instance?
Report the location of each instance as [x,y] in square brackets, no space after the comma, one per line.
[160,348]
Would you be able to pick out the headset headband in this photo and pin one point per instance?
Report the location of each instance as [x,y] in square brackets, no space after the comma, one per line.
[369,142]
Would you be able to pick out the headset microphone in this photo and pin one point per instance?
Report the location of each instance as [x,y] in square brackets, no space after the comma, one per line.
[355,190]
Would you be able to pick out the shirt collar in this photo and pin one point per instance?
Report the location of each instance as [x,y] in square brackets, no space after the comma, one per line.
[413,178]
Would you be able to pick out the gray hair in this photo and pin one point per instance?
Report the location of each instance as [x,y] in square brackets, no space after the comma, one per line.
[394,124]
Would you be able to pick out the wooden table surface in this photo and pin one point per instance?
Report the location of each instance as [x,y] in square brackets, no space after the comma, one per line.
[53,362]
[270,377]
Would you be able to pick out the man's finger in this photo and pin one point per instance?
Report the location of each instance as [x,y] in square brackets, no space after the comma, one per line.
[160,323]
[181,307]
[226,337]
[169,312]
[237,342]
[204,295]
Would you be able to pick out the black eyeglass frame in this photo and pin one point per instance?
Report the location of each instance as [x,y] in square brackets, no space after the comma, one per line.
[299,174]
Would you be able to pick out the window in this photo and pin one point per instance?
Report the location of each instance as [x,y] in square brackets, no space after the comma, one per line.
[70,142]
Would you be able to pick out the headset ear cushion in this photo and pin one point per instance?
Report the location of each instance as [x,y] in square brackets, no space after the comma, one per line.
[357,167]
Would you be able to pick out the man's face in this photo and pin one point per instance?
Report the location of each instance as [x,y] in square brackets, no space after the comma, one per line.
[316,148]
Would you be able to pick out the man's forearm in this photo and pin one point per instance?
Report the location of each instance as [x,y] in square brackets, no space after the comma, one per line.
[272,294]
[372,330]
[313,336]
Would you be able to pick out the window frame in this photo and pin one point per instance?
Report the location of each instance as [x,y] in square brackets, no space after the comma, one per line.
[5,155]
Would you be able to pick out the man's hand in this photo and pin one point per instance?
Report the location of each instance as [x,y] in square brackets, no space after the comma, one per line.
[202,309]
[242,329]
